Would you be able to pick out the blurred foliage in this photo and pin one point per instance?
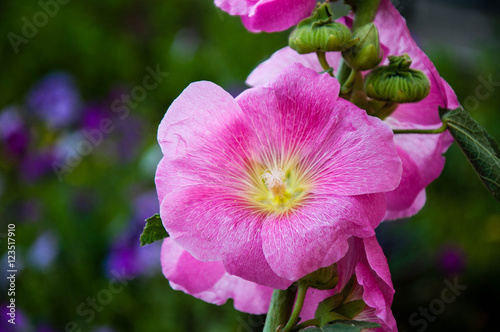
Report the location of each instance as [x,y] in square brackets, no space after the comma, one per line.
[106,45]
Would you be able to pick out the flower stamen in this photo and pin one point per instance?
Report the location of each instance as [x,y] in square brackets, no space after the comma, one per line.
[275,181]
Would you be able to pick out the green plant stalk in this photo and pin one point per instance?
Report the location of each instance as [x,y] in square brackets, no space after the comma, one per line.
[297,308]
[324,64]
[423,131]
[280,308]
[365,13]
[385,110]
[347,86]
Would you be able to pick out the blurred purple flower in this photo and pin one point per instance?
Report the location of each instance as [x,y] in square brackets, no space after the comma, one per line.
[130,132]
[452,260]
[128,256]
[56,100]
[21,321]
[14,134]
[43,252]
[145,205]
[133,259]
[126,253]
[37,164]
[93,114]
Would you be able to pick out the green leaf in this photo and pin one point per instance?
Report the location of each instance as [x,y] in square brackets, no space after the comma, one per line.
[325,308]
[153,231]
[344,326]
[478,146]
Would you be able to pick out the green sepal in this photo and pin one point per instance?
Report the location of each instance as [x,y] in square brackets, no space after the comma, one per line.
[344,326]
[325,308]
[480,148]
[153,230]
[350,309]
[324,278]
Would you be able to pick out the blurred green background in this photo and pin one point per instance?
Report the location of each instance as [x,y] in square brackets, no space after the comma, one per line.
[76,229]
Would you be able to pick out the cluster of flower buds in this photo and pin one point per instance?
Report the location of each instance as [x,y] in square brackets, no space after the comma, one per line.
[361,51]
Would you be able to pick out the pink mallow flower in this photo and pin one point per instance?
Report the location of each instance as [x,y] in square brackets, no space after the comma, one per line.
[274,182]
[210,282]
[268,15]
[421,154]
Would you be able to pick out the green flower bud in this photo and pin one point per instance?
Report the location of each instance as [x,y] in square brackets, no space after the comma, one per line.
[366,54]
[324,278]
[320,33]
[397,83]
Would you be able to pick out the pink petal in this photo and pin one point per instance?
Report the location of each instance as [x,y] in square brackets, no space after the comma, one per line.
[352,153]
[236,7]
[203,107]
[211,226]
[280,61]
[209,281]
[316,235]
[268,15]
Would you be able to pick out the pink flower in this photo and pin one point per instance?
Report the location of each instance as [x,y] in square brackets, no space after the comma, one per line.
[367,263]
[274,182]
[209,281]
[268,15]
[421,154]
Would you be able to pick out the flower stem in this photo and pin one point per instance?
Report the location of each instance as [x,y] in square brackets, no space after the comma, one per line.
[297,308]
[279,308]
[423,131]
[324,64]
[386,110]
[365,13]
[347,86]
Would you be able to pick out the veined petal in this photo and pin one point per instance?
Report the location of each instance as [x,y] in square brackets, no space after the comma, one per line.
[337,145]
[316,235]
[281,59]
[209,281]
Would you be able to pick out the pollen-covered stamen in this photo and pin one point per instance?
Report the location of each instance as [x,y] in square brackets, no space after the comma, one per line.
[274,180]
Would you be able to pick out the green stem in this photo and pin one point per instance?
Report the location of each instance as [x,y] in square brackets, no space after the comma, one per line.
[297,308]
[423,131]
[280,308]
[310,322]
[347,86]
[365,13]
[324,64]
[386,110]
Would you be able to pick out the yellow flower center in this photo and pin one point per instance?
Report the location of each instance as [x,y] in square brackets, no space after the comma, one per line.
[277,189]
